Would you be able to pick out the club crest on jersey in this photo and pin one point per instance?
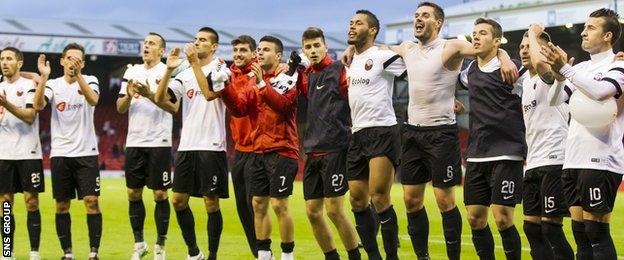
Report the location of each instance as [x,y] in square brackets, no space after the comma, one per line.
[157,81]
[598,76]
[61,106]
[136,95]
[368,65]
[20,93]
[190,93]
[79,92]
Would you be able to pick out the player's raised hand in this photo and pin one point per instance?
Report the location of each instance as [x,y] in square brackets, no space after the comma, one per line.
[191,52]
[130,91]
[257,71]
[173,60]
[43,65]
[347,55]
[142,88]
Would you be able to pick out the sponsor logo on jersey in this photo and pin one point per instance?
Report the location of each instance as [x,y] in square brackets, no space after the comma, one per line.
[530,106]
[190,93]
[63,106]
[359,81]
[598,76]
[368,65]
[20,93]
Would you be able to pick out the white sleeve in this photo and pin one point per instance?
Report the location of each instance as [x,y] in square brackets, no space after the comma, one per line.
[93,83]
[30,95]
[47,91]
[124,82]
[608,86]
[560,92]
[394,64]
[176,87]
[463,76]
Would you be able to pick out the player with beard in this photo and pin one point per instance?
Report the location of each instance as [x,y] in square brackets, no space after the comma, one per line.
[430,137]
[546,129]
[593,165]
[496,145]
[201,163]
[148,144]
[74,154]
[21,166]
[373,151]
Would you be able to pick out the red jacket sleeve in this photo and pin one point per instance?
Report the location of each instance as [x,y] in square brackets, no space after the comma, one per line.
[238,102]
[280,103]
[344,83]
[302,83]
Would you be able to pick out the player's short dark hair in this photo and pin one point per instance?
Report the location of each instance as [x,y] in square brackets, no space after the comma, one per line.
[543,36]
[437,10]
[497,30]
[371,19]
[278,43]
[611,22]
[162,39]
[245,39]
[215,34]
[73,46]
[313,33]
[19,56]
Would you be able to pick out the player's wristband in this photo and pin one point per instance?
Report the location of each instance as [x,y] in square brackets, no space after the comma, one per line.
[261,85]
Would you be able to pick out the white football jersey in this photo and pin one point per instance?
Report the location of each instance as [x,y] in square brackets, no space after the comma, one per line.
[371,83]
[598,149]
[546,125]
[148,125]
[203,123]
[20,141]
[72,125]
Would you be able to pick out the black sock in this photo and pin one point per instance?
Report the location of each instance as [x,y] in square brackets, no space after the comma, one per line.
[263,244]
[483,242]
[162,211]
[540,248]
[63,230]
[33,221]
[418,230]
[389,232]
[215,227]
[452,224]
[94,224]
[511,242]
[365,226]
[560,246]
[583,245]
[601,242]
[136,211]
[354,254]
[287,247]
[332,255]
[187,226]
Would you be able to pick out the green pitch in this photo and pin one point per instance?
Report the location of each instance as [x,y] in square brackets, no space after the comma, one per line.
[117,239]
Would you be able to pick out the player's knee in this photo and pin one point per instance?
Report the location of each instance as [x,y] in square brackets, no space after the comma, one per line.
[92,204]
[7,197]
[476,221]
[413,203]
[314,214]
[358,203]
[212,204]
[32,203]
[445,204]
[381,201]
[335,213]
[160,195]
[280,207]
[179,203]
[260,206]
[134,194]
[62,206]
[503,222]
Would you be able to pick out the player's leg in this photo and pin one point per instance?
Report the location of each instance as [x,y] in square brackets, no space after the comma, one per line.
[346,230]
[380,184]
[477,198]
[241,194]
[598,193]
[532,209]
[87,176]
[569,181]
[32,183]
[136,176]
[282,172]
[8,186]
[506,193]
[554,208]
[214,176]
[63,190]
[313,195]
[159,181]
[260,190]
[184,184]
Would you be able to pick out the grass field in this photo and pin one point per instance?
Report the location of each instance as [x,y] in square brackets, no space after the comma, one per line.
[117,239]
